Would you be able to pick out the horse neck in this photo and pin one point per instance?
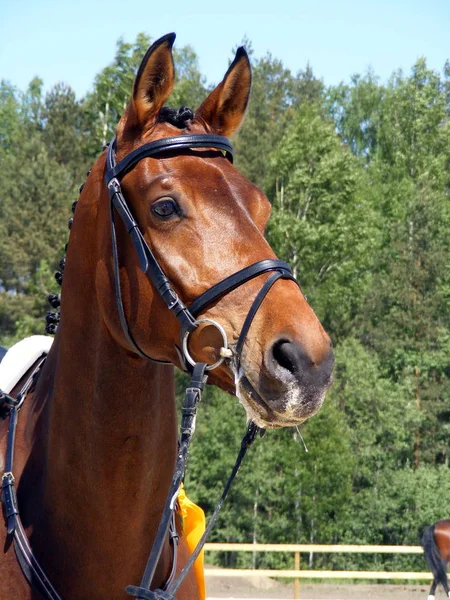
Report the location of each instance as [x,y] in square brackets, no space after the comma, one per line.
[108,429]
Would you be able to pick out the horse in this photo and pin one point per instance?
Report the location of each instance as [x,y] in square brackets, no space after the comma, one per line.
[436,546]
[163,224]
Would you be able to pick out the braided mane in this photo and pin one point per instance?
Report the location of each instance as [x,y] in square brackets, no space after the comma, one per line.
[177,117]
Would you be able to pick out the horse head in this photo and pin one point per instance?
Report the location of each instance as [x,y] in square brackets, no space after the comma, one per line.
[204,222]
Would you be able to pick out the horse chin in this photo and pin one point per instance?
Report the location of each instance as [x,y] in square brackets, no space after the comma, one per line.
[289,408]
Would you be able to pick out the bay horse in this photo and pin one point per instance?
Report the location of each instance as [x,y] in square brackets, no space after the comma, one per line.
[436,547]
[96,441]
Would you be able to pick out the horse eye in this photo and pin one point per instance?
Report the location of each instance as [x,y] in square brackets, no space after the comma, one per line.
[165,208]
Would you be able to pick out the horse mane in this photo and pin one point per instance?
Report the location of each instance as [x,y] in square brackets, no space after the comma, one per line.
[177,117]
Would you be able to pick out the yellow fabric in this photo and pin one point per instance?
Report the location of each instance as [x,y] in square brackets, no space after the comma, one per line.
[193,519]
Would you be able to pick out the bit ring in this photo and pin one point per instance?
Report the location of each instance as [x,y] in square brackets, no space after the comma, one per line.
[224,352]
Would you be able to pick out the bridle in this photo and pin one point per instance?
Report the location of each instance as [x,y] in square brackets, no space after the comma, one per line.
[149,265]
[187,316]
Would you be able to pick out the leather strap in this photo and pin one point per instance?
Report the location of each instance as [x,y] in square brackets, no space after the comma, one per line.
[256,304]
[147,260]
[167,593]
[188,415]
[148,263]
[171,144]
[31,569]
[233,281]
[119,303]
[9,497]
[247,441]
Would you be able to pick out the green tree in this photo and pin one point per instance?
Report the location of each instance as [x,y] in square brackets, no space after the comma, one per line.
[190,86]
[264,124]
[406,318]
[356,111]
[63,130]
[321,223]
[35,212]
[111,91]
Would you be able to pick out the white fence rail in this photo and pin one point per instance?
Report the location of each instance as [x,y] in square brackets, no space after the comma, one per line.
[298,573]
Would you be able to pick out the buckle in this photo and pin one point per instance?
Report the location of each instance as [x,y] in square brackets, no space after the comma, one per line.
[7,402]
[113,187]
[175,300]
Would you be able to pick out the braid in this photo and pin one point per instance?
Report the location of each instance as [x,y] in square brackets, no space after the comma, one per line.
[53,317]
[178,118]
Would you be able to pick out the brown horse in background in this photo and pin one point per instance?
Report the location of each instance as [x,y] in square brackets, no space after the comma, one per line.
[97,437]
[436,546]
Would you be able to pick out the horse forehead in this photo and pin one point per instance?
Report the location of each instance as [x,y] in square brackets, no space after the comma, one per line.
[199,177]
[208,163]
[198,170]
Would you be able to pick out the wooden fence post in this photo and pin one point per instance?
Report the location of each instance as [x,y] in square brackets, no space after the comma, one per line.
[296,580]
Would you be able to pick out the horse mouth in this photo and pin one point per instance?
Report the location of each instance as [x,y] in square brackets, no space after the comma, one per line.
[285,414]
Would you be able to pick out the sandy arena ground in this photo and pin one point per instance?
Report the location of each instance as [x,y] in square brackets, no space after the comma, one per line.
[265,588]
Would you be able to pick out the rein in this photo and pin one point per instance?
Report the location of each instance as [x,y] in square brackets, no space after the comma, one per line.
[187,316]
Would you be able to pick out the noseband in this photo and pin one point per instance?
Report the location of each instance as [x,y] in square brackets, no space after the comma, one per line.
[187,316]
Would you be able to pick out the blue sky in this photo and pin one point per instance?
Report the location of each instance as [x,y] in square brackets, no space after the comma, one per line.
[72,40]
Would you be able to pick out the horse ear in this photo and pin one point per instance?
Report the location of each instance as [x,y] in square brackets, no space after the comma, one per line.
[152,85]
[223,110]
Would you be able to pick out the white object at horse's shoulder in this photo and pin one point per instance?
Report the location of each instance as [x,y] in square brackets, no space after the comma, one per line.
[20,358]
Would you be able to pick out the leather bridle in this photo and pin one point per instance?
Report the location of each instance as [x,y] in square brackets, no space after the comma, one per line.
[187,316]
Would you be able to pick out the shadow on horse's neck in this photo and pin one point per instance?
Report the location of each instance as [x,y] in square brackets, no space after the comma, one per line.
[108,427]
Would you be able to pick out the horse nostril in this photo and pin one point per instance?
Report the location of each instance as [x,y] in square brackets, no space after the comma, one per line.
[290,356]
[293,357]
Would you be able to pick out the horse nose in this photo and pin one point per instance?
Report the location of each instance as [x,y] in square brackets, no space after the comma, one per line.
[309,372]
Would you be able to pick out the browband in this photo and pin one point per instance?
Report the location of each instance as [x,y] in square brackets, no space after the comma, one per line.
[171,144]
